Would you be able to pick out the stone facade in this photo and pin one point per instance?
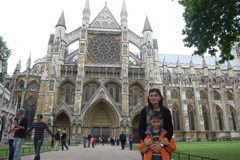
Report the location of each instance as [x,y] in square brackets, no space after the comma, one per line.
[101,86]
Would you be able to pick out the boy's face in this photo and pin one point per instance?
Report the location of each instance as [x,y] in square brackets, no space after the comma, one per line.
[156,123]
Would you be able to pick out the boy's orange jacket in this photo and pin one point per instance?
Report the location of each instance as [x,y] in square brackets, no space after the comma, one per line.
[165,154]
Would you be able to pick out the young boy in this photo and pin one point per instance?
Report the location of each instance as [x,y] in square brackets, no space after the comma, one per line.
[152,146]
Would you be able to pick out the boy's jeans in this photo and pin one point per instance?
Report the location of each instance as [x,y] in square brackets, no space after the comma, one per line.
[37,144]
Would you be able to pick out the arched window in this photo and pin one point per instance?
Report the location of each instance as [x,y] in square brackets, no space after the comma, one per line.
[233,118]
[229,95]
[21,85]
[174,94]
[217,95]
[33,85]
[176,119]
[203,95]
[219,115]
[201,81]
[30,110]
[135,96]
[191,118]
[111,92]
[214,81]
[86,92]
[117,95]
[205,117]
[93,91]
[68,95]
[189,94]
[19,100]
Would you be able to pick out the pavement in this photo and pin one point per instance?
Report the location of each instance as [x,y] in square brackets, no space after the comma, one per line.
[99,152]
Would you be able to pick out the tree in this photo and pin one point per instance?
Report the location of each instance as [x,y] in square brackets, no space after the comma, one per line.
[211,25]
[5,52]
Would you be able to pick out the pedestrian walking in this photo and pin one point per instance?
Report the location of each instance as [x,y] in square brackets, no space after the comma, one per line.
[85,139]
[39,128]
[57,140]
[64,139]
[123,139]
[103,140]
[20,133]
[130,139]
[89,140]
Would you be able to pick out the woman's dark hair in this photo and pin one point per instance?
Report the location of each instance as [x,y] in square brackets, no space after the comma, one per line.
[159,93]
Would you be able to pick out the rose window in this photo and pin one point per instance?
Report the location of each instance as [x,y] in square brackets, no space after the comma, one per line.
[103,49]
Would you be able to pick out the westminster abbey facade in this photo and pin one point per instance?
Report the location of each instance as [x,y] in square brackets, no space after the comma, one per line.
[101,86]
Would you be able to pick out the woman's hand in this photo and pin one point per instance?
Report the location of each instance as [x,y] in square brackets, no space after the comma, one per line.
[164,141]
[156,147]
[148,142]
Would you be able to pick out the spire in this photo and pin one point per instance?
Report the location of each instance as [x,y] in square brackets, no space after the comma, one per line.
[61,21]
[229,65]
[18,66]
[1,59]
[204,65]
[191,63]
[230,70]
[28,62]
[164,66]
[217,66]
[124,9]
[147,26]
[192,69]
[164,62]
[86,13]
[178,63]
[86,5]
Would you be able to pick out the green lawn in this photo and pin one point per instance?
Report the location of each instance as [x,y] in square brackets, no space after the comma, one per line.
[223,150]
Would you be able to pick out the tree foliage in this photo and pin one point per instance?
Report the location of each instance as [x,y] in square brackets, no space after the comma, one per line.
[211,25]
[5,52]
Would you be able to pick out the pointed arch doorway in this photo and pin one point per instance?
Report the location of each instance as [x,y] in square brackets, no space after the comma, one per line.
[62,122]
[101,120]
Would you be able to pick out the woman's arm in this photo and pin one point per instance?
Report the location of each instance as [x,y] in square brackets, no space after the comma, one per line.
[167,123]
[142,126]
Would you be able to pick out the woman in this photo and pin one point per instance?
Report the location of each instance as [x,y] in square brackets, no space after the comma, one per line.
[155,103]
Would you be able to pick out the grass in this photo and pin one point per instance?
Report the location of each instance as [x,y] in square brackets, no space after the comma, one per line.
[221,150]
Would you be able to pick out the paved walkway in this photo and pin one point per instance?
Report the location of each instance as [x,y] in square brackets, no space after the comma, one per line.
[100,152]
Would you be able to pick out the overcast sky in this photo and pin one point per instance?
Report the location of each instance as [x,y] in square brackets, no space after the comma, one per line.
[26,24]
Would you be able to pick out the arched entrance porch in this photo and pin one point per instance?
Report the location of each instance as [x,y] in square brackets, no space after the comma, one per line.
[62,122]
[101,120]
[135,133]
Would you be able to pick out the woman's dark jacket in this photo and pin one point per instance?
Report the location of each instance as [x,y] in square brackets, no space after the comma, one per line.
[167,122]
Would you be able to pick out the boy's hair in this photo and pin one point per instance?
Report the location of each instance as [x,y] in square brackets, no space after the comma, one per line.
[156,114]
[40,116]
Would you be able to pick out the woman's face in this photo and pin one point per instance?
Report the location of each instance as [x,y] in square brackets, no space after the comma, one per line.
[154,98]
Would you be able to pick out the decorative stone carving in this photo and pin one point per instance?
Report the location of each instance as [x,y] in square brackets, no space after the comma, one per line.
[57,45]
[51,85]
[125,48]
[105,20]
[82,46]
[104,49]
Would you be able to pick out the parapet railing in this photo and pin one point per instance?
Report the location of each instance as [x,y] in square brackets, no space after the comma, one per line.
[184,156]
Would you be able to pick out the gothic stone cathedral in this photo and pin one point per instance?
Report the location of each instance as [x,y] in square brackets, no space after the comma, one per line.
[100,87]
